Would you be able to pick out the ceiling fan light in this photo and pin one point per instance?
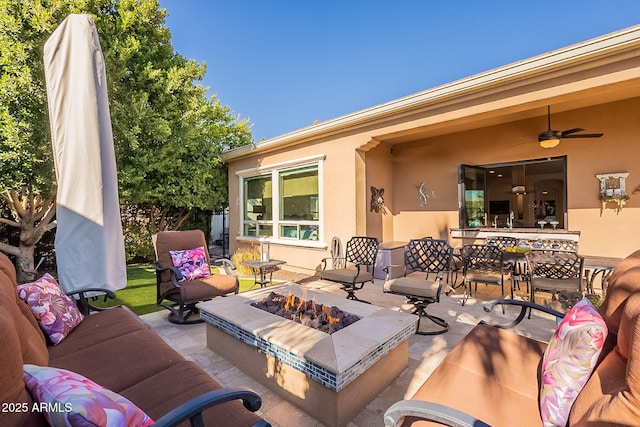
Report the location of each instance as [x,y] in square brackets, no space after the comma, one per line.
[549,143]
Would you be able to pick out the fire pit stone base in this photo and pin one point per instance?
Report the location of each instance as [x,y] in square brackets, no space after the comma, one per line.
[332,377]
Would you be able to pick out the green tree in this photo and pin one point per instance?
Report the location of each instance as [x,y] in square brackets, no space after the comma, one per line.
[168,134]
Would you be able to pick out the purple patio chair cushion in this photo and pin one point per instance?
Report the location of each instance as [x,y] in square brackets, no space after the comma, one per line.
[192,263]
[56,313]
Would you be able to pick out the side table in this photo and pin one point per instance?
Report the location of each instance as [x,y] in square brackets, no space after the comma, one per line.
[262,268]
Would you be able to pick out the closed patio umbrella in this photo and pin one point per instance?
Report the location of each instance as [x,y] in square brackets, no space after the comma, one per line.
[89,242]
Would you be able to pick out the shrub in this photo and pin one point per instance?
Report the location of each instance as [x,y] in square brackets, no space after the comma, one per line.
[242,254]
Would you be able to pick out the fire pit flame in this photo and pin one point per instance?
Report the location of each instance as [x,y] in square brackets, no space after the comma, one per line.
[322,317]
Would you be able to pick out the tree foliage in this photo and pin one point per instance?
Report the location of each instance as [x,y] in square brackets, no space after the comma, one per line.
[168,134]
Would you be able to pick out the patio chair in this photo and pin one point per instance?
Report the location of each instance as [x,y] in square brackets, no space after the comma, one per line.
[422,258]
[180,287]
[483,264]
[356,267]
[554,272]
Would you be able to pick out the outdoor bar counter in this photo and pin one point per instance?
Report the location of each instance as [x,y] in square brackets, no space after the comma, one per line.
[519,233]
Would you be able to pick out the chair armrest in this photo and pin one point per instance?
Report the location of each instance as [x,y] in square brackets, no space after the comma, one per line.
[176,276]
[192,409]
[228,265]
[524,306]
[341,261]
[394,271]
[83,299]
[429,411]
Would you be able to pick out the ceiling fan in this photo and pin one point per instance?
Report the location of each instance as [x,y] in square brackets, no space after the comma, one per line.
[551,138]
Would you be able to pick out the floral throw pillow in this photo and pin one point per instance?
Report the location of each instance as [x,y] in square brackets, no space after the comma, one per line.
[73,400]
[569,361]
[56,313]
[192,263]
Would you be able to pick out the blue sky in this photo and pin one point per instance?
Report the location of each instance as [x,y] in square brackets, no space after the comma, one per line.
[283,64]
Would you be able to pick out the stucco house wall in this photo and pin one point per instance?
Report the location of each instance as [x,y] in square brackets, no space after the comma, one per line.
[490,118]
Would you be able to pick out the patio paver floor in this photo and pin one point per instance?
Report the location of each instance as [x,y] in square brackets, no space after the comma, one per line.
[425,352]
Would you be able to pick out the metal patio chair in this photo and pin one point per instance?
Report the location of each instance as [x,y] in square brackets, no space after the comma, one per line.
[554,272]
[484,264]
[355,268]
[426,262]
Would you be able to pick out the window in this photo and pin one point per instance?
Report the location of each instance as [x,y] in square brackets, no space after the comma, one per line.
[282,202]
[258,206]
[299,203]
[528,194]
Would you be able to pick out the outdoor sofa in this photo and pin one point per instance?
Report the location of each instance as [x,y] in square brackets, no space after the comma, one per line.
[119,352]
[493,376]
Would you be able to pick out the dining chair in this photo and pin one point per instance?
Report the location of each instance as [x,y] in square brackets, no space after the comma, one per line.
[426,262]
[554,272]
[483,264]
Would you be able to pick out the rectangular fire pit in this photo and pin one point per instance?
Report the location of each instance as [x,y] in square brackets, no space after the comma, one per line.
[331,377]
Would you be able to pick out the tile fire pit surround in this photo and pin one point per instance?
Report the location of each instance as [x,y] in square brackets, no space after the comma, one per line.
[332,377]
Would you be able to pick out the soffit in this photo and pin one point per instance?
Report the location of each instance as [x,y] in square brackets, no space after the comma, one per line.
[593,72]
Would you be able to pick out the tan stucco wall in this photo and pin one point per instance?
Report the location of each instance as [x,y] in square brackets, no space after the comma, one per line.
[435,161]
[355,162]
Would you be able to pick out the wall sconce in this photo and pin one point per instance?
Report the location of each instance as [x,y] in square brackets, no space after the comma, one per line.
[518,189]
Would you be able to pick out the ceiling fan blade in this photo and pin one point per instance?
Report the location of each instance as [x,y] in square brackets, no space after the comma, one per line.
[570,131]
[585,135]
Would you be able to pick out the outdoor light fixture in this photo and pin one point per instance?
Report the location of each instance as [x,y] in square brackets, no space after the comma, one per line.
[549,143]
[265,248]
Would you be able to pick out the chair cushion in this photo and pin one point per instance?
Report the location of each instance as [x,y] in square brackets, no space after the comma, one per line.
[79,400]
[346,275]
[192,263]
[413,286]
[483,277]
[557,284]
[56,313]
[569,360]
[203,289]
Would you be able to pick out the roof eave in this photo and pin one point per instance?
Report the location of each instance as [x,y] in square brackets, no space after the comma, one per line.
[605,45]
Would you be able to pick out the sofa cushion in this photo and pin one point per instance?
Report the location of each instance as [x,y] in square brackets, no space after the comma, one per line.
[192,263]
[56,313]
[489,367]
[624,281]
[122,361]
[78,401]
[97,329]
[611,397]
[569,360]
[186,380]
[22,342]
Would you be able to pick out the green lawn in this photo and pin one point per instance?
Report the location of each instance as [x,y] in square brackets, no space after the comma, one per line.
[140,293]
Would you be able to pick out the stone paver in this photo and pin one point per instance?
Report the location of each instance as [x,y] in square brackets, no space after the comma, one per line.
[425,352]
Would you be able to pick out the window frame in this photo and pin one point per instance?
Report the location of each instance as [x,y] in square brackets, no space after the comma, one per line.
[274,171]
